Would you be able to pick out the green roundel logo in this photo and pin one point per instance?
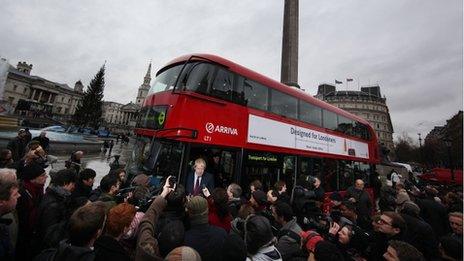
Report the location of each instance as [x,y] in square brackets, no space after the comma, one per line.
[161,118]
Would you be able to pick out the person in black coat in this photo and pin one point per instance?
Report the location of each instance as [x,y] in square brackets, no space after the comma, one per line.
[85,226]
[18,145]
[201,236]
[418,233]
[175,208]
[357,195]
[107,246]
[84,184]
[43,140]
[199,178]
[54,207]
[435,214]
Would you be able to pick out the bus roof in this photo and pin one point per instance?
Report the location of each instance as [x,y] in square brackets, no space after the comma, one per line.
[252,75]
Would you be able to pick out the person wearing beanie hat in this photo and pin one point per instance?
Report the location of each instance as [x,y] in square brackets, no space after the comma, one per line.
[197,208]
[259,240]
[183,253]
[258,200]
[310,239]
[419,233]
[260,205]
[32,191]
[31,172]
[201,236]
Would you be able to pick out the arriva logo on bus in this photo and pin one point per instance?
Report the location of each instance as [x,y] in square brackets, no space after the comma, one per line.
[210,128]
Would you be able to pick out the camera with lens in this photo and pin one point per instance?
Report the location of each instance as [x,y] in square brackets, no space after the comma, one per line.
[301,192]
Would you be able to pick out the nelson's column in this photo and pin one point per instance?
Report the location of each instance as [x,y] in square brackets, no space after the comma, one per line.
[289,70]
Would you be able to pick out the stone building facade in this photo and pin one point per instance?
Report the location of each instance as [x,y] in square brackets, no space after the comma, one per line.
[121,118]
[39,99]
[367,103]
[43,102]
[118,117]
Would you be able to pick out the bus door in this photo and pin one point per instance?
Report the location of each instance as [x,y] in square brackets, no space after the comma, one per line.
[262,166]
[289,172]
[220,162]
[157,158]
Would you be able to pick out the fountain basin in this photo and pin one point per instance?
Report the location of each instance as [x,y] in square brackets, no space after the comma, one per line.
[60,142]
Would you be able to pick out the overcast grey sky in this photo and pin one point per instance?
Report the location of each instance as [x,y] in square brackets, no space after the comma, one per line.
[413,49]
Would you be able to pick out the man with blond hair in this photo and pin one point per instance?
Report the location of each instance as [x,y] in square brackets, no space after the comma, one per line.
[198,178]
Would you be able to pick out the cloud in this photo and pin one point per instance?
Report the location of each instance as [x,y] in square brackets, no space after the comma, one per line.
[413,49]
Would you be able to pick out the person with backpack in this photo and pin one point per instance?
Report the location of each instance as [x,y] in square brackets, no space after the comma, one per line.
[288,242]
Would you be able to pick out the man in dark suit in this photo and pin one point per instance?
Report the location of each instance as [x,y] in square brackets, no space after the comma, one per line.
[199,178]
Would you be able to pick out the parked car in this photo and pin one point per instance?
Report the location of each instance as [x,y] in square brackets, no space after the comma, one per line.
[442,176]
[55,128]
[103,133]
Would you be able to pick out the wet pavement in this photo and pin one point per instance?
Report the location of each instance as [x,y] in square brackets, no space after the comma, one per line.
[99,162]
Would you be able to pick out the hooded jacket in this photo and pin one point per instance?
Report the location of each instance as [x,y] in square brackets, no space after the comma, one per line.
[287,245]
[266,253]
[53,208]
[108,248]
[67,252]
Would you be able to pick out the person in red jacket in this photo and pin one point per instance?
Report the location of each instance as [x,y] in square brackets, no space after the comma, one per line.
[218,214]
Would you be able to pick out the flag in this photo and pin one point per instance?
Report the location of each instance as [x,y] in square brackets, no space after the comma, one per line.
[338,82]
[349,79]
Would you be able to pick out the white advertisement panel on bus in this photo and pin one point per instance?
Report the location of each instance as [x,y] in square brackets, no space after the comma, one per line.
[270,132]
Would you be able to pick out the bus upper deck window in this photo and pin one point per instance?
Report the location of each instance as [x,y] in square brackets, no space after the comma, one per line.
[199,78]
[165,80]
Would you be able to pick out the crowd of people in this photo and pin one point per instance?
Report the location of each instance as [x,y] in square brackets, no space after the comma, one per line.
[125,219]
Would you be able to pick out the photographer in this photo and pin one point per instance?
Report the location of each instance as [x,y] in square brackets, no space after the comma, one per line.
[313,184]
[358,196]
[147,244]
[175,206]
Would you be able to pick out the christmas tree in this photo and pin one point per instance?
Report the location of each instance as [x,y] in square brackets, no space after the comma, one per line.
[89,111]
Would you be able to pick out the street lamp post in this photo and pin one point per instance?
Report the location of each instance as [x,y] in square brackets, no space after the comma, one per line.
[420,148]
[448,143]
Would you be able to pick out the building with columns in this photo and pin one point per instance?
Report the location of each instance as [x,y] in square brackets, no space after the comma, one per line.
[367,103]
[121,118]
[118,117]
[43,102]
[37,99]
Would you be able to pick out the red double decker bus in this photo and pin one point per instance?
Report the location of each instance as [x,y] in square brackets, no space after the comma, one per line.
[203,105]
